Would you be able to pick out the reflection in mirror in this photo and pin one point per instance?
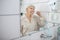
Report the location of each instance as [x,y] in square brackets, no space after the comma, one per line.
[33,21]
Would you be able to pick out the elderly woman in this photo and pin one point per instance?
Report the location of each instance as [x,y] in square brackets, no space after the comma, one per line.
[30,22]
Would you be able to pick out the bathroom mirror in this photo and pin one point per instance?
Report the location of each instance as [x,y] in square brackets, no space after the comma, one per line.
[36,18]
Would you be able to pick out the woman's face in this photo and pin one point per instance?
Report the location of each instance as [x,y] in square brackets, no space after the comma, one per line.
[31,9]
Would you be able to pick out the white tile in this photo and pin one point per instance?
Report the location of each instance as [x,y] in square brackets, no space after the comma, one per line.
[9,7]
[58,17]
[58,6]
[44,7]
[52,1]
[10,26]
[33,1]
[58,0]
[54,17]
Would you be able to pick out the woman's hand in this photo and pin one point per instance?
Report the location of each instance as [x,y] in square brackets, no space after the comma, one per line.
[38,13]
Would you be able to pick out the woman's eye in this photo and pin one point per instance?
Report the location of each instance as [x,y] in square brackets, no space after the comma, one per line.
[31,8]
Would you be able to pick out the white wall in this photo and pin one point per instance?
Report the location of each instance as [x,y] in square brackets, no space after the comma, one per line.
[9,19]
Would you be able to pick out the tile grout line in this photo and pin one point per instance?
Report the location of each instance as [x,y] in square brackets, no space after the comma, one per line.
[9,14]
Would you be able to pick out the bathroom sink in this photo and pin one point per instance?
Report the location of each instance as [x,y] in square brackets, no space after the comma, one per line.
[36,36]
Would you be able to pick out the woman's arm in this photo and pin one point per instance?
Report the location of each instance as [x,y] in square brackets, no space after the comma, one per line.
[41,19]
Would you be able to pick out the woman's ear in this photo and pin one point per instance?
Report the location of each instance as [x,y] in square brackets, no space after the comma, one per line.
[26,9]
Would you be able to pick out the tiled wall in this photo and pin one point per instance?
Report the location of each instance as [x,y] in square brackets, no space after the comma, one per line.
[46,7]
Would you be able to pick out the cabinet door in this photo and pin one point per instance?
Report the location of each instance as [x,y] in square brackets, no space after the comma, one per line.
[10,26]
[9,7]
